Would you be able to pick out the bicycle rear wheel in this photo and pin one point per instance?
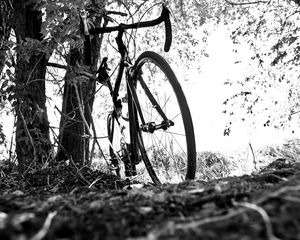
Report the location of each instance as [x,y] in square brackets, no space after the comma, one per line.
[165,128]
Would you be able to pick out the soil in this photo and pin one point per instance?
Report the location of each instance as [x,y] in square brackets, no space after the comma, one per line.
[66,203]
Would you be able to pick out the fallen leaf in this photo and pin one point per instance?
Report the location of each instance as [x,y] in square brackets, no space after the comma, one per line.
[222,187]
[160,197]
[55,198]
[195,191]
[140,192]
[145,210]
[96,205]
[3,220]
[18,193]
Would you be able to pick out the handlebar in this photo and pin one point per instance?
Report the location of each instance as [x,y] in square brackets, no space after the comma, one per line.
[164,17]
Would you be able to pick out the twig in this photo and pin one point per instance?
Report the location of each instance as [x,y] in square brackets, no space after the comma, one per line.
[253,155]
[94,182]
[263,214]
[95,136]
[30,139]
[85,124]
[291,199]
[78,172]
[244,3]
[95,139]
[278,193]
[81,110]
[56,65]
[11,145]
[43,232]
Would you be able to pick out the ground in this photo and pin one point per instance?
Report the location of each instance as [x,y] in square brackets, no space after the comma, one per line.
[85,204]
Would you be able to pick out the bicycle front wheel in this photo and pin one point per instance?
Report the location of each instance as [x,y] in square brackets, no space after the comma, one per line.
[167,142]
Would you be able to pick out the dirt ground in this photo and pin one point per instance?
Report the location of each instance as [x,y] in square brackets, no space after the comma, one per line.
[85,204]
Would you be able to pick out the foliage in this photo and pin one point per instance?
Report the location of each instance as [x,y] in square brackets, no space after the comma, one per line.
[271,89]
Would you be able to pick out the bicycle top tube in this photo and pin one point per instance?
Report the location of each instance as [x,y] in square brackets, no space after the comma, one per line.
[164,17]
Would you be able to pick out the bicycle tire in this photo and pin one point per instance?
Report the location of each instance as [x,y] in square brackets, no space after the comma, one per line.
[149,154]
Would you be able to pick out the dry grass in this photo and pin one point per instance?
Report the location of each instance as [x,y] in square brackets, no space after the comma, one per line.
[213,165]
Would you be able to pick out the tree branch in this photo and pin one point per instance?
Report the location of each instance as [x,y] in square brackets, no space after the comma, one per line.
[264,215]
[244,3]
[56,65]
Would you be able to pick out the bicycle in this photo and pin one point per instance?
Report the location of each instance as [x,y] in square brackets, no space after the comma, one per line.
[161,130]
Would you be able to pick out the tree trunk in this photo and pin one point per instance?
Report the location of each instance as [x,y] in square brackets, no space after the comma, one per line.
[32,128]
[74,128]
[76,119]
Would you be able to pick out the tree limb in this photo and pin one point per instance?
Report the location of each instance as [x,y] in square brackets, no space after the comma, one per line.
[56,65]
[244,3]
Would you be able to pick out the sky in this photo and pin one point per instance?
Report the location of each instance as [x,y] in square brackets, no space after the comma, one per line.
[206,93]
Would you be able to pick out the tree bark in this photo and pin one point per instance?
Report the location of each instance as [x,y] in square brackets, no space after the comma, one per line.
[33,145]
[76,119]
[74,137]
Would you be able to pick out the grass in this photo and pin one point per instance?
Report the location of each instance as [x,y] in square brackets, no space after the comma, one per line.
[214,165]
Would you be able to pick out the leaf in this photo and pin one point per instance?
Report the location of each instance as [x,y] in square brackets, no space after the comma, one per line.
[161,197]
[5,83]
[134,192]
[144,210]
[3,220]
[96,204]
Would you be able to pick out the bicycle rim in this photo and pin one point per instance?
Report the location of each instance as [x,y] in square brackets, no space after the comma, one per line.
[170,152]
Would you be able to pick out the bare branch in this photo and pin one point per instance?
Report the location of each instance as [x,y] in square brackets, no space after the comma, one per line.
[56,65]
[46,227]
[244,3]
[264,215]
